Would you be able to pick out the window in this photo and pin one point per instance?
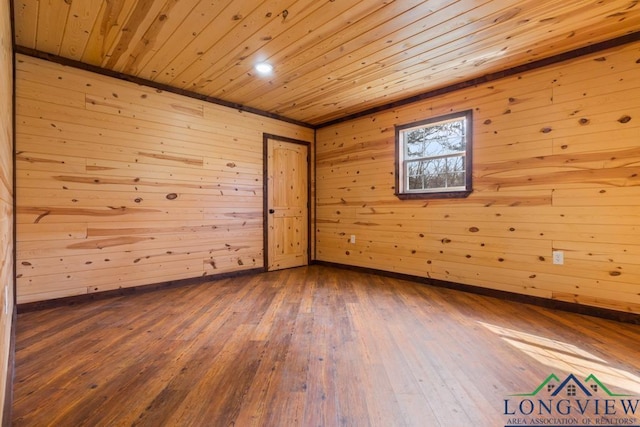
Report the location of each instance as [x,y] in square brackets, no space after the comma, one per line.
[571,390]
[433,157]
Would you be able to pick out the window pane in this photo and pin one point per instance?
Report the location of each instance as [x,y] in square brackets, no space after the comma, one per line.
[416,168]
[435,166]
[415,183]
[456,164]
[455,179]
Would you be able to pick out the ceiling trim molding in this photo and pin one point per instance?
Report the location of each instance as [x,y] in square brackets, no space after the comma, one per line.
[576,53]
[155,85]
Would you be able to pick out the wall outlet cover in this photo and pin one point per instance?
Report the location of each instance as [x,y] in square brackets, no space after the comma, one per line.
[558,257]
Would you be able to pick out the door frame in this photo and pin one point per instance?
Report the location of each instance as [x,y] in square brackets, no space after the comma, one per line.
[265,185]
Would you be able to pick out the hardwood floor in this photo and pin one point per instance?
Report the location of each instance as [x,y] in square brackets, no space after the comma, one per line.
[313,346]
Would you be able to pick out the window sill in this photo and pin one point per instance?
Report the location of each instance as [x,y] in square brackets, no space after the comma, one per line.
[439,195]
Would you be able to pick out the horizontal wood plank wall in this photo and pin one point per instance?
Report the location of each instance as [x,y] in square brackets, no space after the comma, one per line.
[6,199]
[556,167]
[122,185]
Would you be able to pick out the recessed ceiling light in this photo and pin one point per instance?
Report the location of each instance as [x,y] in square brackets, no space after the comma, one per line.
[264,68]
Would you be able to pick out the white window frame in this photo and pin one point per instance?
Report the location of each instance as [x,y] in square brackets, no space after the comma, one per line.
[402,163]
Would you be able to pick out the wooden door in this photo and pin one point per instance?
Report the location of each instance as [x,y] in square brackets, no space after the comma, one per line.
[287,203]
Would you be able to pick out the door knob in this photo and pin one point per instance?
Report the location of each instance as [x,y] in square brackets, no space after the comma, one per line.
[272,211]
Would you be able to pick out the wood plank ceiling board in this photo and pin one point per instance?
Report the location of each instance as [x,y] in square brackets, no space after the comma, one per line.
[25,13]
[80,21]
[331,58]
[105,30]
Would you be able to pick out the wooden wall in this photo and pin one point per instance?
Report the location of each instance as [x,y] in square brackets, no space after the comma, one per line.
[556,167]
[6,198]
[121,185]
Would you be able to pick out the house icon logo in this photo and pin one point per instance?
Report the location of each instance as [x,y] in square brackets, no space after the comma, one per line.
[572,401]
[571,387]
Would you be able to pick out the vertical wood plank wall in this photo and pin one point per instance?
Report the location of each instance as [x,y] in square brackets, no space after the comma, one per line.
[556,167]
[6,196]
[121,185]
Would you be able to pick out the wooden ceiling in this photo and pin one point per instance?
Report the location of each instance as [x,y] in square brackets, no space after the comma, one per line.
[331,58]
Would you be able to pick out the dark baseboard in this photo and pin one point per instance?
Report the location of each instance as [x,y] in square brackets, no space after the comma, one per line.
[619,316]
[7,408]
[79,299]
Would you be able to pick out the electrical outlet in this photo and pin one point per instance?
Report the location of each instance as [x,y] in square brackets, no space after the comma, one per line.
[353,238]
[558,257]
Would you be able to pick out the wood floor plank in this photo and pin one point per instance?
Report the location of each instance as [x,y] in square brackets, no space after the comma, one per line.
[311,346]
